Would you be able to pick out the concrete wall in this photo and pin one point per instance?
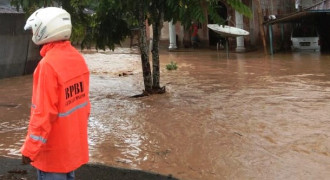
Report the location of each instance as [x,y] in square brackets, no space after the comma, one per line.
[18,55]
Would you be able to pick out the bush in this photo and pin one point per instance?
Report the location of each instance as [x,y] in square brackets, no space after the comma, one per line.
[171,66]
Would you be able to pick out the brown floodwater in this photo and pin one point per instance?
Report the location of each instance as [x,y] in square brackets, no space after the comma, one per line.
[245,117]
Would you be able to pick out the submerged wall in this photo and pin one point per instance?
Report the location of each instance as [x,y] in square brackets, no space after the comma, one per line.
[18,54]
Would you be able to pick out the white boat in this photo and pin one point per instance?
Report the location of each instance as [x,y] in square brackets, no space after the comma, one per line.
[227,31]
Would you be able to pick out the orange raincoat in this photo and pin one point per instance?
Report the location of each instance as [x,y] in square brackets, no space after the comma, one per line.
[57,134]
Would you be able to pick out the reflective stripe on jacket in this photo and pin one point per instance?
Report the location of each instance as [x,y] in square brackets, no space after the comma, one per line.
[57,133]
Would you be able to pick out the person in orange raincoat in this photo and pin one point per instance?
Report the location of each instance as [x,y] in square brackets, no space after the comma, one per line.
[56,143]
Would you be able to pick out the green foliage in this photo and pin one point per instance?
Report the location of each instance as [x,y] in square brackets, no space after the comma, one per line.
[113,19]
[172,66]
[240,7]
[104,28]
[187,11]
[213,14]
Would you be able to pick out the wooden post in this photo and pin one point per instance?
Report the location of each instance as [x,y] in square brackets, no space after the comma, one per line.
[261,26]
[271,51]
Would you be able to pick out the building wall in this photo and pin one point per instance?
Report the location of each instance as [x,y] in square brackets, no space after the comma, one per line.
[269,7]
[281,33]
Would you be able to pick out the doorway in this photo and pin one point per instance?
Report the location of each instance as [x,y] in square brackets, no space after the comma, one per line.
[215,38]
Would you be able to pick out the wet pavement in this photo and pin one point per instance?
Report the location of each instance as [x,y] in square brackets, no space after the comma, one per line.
[246,117]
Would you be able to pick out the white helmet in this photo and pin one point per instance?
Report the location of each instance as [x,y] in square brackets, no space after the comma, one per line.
[49,24]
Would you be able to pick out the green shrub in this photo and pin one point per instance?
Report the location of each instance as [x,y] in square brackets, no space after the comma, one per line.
[171,66]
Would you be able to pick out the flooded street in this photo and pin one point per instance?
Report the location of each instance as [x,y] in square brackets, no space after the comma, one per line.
[246,117]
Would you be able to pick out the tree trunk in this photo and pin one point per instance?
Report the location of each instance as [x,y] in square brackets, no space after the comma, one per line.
[156,28]
[144,50]
[261,26]
[155,56]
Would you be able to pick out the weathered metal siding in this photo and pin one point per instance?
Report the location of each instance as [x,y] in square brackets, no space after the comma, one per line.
[277,8]
[18,55]
[270,7]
